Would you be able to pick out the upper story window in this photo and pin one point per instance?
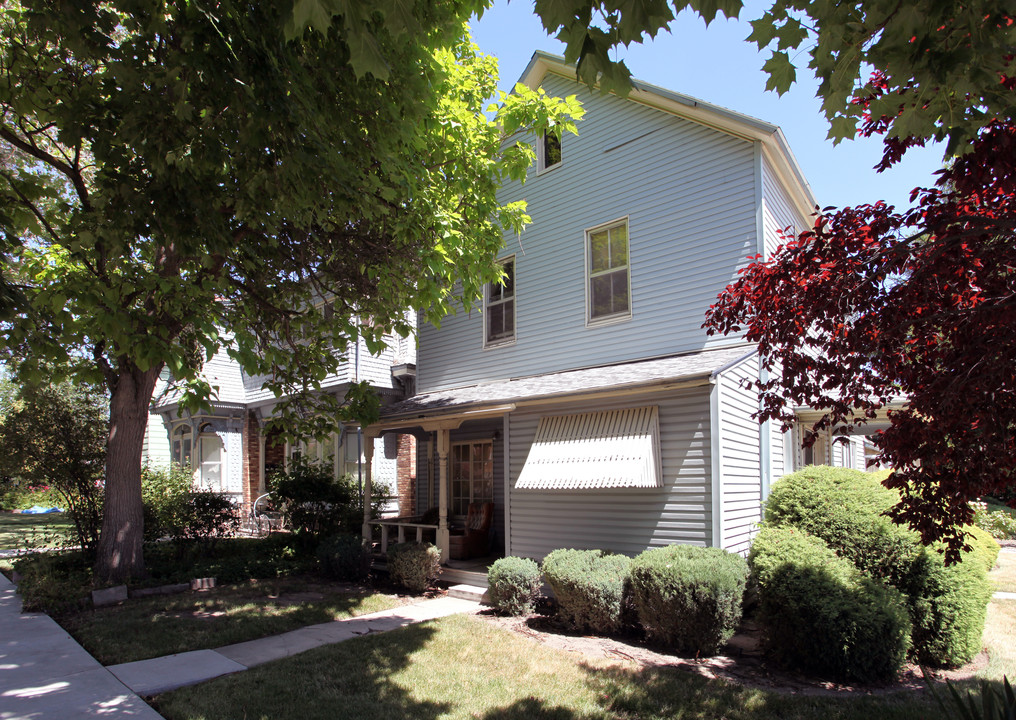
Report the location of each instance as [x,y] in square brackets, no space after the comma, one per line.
[549,150]
[499,308]
[608,292]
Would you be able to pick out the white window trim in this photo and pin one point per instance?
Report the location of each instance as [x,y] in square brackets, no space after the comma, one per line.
[502,342]
[541,160]
[617,317]
[451,494]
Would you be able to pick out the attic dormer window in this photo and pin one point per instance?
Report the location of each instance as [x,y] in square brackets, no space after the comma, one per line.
[550,150]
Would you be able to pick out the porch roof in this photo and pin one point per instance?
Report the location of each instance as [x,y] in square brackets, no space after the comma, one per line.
[623,376]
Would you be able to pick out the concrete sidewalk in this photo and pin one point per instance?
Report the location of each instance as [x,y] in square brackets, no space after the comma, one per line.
[46,675]
[150,677]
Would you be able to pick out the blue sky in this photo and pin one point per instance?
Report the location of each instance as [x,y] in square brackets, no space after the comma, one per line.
[718,66]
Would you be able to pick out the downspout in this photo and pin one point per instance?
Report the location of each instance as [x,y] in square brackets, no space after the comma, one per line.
[765,429]
[359,430]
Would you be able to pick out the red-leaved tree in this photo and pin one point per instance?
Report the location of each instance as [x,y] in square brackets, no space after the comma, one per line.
[920,305]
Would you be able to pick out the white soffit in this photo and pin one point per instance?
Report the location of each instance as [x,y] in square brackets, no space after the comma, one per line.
[607,449]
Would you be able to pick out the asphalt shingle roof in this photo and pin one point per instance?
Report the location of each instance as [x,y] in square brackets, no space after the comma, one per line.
[608,377]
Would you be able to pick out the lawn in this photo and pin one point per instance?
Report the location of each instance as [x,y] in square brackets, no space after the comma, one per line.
[19,531]
[463,667]
[161,625]
[1004,574]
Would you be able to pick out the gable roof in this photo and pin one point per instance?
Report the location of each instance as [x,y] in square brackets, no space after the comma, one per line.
[774,143]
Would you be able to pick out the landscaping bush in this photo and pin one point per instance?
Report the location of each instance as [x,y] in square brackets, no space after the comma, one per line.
[346,557]
[947,604]
[164,493]
[688,598]
[414,565]
[996,519]
[514,585]
[589,586]
[948,608]
[230,560]
[821,614]
[314,503]
[53,582]
[983,545]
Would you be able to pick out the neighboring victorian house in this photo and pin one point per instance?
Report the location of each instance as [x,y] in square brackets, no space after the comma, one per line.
[585,401]
[230,451]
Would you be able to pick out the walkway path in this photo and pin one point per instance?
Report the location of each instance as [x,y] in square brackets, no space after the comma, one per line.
[46,675]
[150,677]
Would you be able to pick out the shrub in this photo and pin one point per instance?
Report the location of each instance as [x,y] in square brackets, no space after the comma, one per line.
[947,604]
[688,598]
[208,516]
[997,520]
[414,565]
[53,582]
[983,545]
[164,493]
[513,585]
[589,586]
[820,613]
[346,557]
[948,608]
[230,560]
[315,503]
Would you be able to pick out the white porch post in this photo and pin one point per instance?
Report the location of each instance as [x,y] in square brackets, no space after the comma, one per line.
[368,458]
[443,536]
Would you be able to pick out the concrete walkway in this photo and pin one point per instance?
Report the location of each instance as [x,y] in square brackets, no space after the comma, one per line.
[46,675]
[150,677]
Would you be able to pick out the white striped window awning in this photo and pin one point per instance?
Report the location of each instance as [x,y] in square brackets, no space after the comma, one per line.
[606,449]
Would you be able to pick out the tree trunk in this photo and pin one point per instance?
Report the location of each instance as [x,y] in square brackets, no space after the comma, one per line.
[119,555]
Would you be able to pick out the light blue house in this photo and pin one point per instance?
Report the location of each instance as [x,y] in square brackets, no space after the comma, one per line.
[585,400]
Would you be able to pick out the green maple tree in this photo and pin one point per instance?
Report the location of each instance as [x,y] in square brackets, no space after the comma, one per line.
[171,169]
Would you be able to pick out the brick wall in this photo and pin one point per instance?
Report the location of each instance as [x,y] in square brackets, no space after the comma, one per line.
[406,474]
[251,460]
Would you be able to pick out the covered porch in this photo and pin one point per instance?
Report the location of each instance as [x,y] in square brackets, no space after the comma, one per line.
[461,493]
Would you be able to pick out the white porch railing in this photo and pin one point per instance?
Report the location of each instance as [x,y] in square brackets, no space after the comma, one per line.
[401,526]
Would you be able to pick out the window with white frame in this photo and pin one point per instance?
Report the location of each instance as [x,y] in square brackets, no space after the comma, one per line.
[211,456]
[549,150]
[472,475]
[499,308]
[608,292]
[182,444]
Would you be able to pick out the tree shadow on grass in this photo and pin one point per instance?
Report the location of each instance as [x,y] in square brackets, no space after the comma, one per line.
[351,680]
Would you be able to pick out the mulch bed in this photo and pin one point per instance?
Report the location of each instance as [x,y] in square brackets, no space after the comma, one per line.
[742,662]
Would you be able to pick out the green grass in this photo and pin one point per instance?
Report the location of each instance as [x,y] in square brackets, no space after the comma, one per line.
[1004,573]
[161,625]
[462,667]
[34,531]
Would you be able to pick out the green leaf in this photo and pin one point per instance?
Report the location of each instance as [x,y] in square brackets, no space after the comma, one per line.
[782,72]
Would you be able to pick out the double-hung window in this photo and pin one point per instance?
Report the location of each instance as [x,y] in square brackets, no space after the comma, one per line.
[549,150]
[499,308]
[608,292]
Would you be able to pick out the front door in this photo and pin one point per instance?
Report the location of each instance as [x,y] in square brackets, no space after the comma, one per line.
[472,475]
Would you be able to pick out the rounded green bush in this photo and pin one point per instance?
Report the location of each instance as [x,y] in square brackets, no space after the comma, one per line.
[821,614]
[346,557]
[414,565]
[514,585]
[846,508]
[984,545]
[687,597]
[589,586]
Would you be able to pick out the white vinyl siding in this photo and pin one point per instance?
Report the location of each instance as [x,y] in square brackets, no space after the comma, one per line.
[778,210]
[626,520]
[688,192]
[740,468]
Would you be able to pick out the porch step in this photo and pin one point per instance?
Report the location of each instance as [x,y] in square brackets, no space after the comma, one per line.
[468,592]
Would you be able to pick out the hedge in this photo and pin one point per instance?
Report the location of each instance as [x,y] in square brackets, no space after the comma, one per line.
[513,585]
[589,586]
[821,614]
[414,565]
[947,604]
[687,597]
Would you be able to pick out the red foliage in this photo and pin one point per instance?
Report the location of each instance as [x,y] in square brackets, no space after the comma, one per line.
[874,305]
